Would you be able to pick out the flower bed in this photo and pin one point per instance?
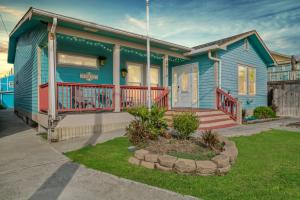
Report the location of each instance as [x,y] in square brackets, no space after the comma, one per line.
[218,165]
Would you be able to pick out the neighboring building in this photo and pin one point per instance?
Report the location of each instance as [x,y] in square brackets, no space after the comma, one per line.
[288,68]
[7,91]
[65,66]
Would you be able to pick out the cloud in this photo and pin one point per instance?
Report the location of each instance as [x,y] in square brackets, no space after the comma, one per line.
[136,23]
[11,11]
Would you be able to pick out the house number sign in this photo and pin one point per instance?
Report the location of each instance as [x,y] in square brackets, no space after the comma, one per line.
[88,76]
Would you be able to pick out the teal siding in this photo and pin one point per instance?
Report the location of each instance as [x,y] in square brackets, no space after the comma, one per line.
[7,89]
[234,55]
[130,57]
[25,66]
[206,80]
[44,65]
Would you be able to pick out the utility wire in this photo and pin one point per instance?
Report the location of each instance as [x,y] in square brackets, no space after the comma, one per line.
[4,25]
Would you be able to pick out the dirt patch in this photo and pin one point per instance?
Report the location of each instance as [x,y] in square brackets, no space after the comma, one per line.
[188,149]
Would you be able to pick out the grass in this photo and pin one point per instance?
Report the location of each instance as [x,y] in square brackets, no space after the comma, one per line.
[268,167]
[193,156]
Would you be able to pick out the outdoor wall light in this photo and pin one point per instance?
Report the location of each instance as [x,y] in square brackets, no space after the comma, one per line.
[101,60]
[124,72]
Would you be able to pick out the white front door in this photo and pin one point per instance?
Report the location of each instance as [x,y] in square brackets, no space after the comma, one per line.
[185,86]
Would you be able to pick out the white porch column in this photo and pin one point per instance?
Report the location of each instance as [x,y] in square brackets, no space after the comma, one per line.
[52,72]
[165,71]
[116,76]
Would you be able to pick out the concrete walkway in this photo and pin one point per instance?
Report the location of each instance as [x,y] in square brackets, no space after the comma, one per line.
[251,129]
[30,168]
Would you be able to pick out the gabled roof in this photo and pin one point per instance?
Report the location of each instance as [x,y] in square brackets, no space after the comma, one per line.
[34,16]
[223,43]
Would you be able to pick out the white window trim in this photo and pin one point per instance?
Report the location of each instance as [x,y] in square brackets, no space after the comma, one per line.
[76,65]
[238,81]
[143,71]
[247,81]
[248,85]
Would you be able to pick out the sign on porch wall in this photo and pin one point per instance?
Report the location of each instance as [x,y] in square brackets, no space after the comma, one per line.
[88,76]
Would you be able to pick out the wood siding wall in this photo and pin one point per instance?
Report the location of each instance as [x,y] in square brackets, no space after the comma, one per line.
[285,95]
[234,55]
[25,67]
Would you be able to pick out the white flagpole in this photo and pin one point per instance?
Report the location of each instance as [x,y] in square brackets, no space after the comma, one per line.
[148,58]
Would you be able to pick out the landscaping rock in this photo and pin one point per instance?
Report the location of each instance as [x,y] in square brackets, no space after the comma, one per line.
[140,154]
[231,153]
[150,157]
[162,168]
[148,165]
[185,166]
[205,167]
[223,170]
[167,161]
[221,160]
[134,161]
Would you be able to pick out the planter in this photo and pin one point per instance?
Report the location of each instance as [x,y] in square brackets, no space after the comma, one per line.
[218,165]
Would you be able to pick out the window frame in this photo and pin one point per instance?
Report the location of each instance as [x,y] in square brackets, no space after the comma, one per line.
[71,65]
[143,72]
[246,77]
[247,93]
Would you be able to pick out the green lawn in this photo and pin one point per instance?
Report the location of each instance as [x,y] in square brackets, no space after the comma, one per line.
[268,167]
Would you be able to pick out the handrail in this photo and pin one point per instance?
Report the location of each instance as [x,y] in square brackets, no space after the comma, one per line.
[227,103]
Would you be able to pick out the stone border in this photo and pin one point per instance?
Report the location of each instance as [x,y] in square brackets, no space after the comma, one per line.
[218,165]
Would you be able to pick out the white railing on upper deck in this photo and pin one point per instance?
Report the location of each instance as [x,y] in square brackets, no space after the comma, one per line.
[284,75]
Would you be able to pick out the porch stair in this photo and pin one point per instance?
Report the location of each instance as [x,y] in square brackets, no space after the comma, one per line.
[209,118]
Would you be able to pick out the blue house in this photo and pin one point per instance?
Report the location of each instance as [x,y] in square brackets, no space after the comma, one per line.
[65,66]
[7,91]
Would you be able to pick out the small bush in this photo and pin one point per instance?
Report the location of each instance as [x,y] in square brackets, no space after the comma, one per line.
[138,133]
[263,112]
[1,107]
[147,124]
[210,139]
[185,124]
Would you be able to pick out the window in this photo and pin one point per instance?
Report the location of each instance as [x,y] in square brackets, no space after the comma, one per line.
[154,76]
[11,84]
[242,82]
[246,44]
[134,76]
[246,80]
[77,60]
[252,80]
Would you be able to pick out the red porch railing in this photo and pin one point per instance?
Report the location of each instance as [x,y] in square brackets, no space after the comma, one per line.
[76,97]
[84,97]
[43,91]
[137,96]
[226,103]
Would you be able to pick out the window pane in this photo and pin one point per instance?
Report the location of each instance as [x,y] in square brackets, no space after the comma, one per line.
[154,76]
[134,76]
[184,82]
[252,80]
[68,59]
[242,82]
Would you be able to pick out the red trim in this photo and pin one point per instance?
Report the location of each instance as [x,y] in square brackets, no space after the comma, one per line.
[226,103]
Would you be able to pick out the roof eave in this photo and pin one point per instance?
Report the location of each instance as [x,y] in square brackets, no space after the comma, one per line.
[203,50]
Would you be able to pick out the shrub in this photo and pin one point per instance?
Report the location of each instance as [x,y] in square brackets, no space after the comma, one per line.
[147,124]
[185,124]
[210,139]
[263,112]
[1,107]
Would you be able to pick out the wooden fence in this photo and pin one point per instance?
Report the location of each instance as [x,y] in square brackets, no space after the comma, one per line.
[285,95]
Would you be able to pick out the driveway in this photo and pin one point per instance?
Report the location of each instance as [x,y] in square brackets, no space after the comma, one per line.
[30,168]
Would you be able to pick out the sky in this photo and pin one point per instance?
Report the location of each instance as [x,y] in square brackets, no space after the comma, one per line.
[185,22]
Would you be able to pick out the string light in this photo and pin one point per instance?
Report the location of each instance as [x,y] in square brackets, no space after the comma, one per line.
[123,49]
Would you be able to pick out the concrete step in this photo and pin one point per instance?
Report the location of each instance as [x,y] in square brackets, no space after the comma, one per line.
[213,118]
[198,113]
[218,123]
[218,127]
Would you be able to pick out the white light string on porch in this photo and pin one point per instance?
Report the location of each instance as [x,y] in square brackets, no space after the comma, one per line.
[123,49]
